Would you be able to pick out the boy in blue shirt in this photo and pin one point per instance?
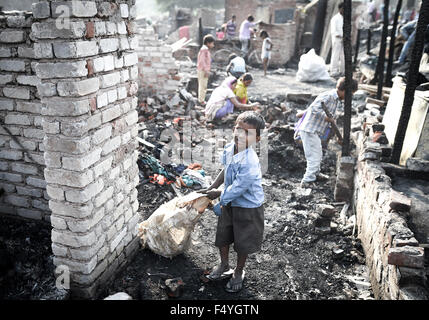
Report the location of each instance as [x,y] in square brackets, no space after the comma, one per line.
[242,217]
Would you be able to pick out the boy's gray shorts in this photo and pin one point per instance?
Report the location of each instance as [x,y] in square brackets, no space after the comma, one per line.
[242,226]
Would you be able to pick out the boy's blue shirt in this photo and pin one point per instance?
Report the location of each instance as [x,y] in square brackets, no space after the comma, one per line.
[243,178]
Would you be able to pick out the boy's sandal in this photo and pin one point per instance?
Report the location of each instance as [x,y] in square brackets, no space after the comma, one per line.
[220,276]
[234,286]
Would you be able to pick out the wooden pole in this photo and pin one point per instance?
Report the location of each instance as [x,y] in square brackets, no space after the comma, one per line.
[347,31]
[368,45]
[319,26]
[388,80]
[357,47]
[382,54]
[410,89]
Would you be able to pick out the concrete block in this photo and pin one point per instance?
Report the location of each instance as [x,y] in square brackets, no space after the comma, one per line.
[407,256]
[102,134]
[109,45]
[41,10]
[34,133]
[6,78]
[47,89]
[74,9]
[51,30]
[75,49]
[36,182]
[18,119]
[29,213]
[78,88]
[57,144]
[86,194]
[61,70]
[71,209]
[103,167]
[399,201]
[17,201]
[81,163]
[26,52]
[24,168]
[28,80]
[110,79]
[103,197]
[111,145]
[43,50]
[69,178]
[17,93]
[65,108]
[111,113]
[74,129]
[12,65]
[12,36]
[55,193]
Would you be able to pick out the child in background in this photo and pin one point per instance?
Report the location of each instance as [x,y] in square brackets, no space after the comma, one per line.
[237,66]
[242,219]
[241,88]
[204,66]
[220,34]
[267,45]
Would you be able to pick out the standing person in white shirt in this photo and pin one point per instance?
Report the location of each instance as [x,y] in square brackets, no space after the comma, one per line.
[245,32]
[266,50]
[337,57]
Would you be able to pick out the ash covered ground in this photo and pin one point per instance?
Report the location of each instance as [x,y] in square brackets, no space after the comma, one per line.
[296,261]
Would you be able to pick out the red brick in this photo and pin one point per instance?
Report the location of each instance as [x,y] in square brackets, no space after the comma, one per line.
[90,30]
[399,202]
[90,67]
[407,256]
[93,104]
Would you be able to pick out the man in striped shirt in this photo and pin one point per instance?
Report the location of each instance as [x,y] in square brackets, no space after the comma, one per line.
[314,126]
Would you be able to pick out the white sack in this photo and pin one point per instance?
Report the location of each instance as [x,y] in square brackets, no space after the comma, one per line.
[312,68]
[168,230]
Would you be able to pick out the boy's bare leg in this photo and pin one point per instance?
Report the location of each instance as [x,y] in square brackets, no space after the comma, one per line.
[224,260]
[241,261]
[235,284]
[265,66]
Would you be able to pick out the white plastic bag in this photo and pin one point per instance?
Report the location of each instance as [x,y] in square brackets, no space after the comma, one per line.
[312,68]
[168,230]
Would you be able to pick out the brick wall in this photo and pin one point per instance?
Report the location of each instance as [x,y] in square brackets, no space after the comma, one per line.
[88,71]
[260,9]
[283,37]
[21,132]
[393,256]
[158,72]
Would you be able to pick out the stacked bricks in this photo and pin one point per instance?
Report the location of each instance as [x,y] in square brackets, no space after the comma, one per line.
[323,218]
[88,72]
[158,71]
[393,256]
[21,132]
[344,182]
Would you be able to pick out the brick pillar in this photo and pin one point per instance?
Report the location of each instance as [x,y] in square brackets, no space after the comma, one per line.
[88,88]
[344,183]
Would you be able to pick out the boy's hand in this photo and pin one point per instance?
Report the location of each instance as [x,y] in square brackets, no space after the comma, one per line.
[212,194]
[331,120]
[207,74]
